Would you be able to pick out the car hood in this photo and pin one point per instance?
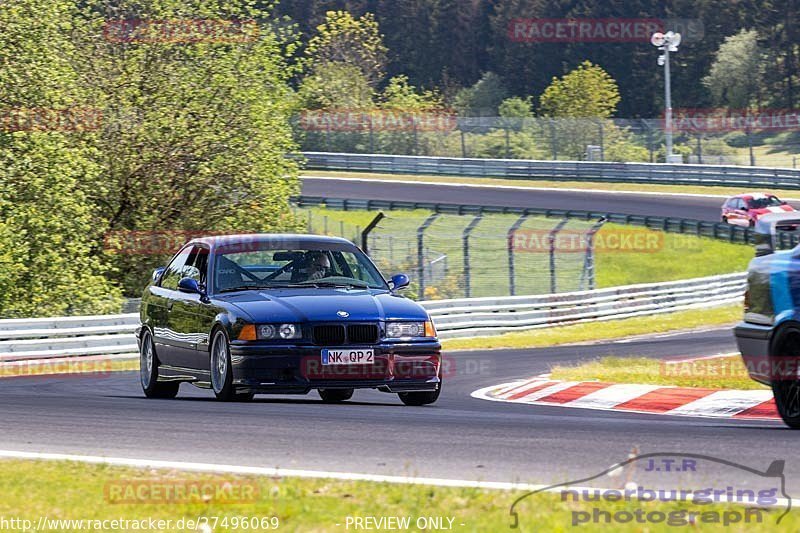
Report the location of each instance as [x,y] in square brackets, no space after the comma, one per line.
[323,305]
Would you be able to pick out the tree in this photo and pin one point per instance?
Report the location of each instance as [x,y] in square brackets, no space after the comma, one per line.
[483,98]
[736,76]
[345,39]
[587,91]
[47,224]
[195,133]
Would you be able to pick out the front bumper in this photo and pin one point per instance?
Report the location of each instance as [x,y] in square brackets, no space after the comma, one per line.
[298,369]
[754,341]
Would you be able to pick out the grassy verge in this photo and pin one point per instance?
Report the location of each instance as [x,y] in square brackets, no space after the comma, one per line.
[585,185]
[63,490]
[719,373]
[598,331]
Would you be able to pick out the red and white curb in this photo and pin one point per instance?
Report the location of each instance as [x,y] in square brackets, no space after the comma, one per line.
[652,399]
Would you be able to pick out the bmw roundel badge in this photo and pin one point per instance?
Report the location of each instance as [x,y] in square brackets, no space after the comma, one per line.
[343,314]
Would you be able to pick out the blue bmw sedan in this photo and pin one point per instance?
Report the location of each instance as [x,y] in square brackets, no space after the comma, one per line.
[283,314]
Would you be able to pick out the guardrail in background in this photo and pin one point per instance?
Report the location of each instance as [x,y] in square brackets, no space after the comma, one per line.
[716,230]
[490,316]
[712,175]
[47,338]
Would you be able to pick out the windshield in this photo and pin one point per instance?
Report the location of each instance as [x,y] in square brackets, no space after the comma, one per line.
[312,267]
[764,202]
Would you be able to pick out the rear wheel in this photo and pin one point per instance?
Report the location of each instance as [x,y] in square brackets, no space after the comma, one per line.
[420,398]
[222,373]
[784,377]
[148,371]
[335,395]
[724,220]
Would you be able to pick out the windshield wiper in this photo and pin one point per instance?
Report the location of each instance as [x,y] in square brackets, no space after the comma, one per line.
[244,288]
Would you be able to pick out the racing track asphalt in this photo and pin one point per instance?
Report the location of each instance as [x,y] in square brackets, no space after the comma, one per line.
[690,207]
[459,437]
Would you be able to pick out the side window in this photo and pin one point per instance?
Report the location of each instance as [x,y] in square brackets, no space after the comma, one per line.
[174,271]
[742,204]
[195,266]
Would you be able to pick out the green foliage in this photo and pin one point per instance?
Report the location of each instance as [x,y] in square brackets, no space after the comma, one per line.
[336,86]
[736,76]
[196,133]
[47,226]
[587,91]
[343,38]
[483,98]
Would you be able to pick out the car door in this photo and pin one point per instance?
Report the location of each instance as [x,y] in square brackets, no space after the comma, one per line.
[163,299]
[739,214]
[184,318]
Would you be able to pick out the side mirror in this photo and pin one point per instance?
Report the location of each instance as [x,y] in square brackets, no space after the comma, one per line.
[399,281]
[157,273]
[190,286]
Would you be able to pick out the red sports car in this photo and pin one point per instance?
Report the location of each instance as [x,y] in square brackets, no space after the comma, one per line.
[745,209]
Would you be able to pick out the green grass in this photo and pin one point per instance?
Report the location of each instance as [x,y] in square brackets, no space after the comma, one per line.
[597,331]
[663,257]
[66,490]
[586,185]
[719,373]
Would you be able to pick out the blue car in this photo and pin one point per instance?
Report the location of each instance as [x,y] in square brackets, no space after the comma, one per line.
[769,336]
[284,314]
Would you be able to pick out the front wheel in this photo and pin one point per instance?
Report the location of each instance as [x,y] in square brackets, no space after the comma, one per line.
[784,375]
[222,373]
[148,371]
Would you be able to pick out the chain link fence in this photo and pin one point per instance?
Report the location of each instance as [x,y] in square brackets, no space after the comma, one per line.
[704,138]
[465,256]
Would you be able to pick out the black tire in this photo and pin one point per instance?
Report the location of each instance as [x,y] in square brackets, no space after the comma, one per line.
[221,372]
[724,220]
[786,389]
[752,223]
[148,371]
[416,399]
[335,395]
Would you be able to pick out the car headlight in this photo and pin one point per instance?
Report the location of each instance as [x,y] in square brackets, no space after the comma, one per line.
[282,331]
[397,330]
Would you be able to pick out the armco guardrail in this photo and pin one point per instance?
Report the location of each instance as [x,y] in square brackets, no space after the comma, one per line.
[47,338]
[711,175]
[44,338]
[699,228]
[490,316]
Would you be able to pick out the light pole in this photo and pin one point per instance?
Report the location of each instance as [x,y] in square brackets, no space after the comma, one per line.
[667,42]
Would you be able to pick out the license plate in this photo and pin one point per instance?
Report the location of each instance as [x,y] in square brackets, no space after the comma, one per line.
[348,356]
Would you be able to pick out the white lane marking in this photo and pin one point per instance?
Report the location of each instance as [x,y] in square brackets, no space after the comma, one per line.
[724,403]
[700,358]
[516,188]
[612,396]
[315,474]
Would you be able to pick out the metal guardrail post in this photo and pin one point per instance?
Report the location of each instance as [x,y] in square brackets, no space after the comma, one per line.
[511,274]
[371,226]
[588,266]
[552,242]
[465,243]
[421,252]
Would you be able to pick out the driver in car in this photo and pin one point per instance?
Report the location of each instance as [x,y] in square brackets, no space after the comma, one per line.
[319,266]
